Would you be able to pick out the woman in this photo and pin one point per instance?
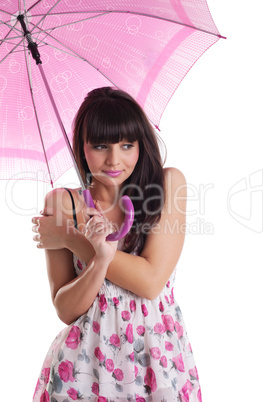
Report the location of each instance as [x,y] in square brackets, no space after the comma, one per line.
[125,339]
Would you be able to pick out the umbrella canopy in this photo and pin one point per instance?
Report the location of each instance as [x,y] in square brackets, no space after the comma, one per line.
[143,47]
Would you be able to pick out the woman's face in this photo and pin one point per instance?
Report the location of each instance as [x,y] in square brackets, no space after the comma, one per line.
[112,164]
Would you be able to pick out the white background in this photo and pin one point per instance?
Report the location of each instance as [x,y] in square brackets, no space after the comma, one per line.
[214,129]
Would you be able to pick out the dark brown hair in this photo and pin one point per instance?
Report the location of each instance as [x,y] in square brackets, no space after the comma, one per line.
[109,116]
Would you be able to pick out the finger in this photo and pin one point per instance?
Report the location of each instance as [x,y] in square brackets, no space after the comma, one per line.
[89,227]
[100,228]
[94,220]
[37,238]
[101,210]
[98,207]
[111,229]
[88,212]
[35,220]
[40,245]
[96,230]
[35,229]
[48,211]
[104,229]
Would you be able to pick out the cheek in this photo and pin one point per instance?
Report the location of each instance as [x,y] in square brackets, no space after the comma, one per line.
[91,157]
[133,159]
[91,163]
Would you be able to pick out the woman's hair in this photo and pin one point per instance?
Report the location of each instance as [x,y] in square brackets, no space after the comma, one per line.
[109,116]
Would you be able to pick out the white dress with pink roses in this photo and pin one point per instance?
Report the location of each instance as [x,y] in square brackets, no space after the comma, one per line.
[125,348]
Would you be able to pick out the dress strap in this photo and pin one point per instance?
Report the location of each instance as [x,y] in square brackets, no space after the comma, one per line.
[73,204]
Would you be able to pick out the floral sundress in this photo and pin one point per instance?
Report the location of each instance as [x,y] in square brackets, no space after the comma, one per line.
[125,348]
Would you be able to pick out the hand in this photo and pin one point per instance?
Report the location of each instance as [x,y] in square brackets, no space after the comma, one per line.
[52,230]
[96,230]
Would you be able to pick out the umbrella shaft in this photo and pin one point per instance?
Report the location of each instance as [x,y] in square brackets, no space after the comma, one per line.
[61,125]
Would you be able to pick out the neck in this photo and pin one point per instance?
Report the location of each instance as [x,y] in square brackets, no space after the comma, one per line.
[105,194]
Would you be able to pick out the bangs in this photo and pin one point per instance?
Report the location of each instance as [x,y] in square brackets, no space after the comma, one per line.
[111,121]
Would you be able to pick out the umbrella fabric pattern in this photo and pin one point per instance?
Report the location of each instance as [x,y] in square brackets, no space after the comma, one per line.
[144,48]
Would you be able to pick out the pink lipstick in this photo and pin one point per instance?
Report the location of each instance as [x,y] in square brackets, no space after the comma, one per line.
[113,173]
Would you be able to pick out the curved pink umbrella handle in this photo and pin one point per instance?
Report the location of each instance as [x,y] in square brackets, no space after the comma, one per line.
[129,215]
[88,199]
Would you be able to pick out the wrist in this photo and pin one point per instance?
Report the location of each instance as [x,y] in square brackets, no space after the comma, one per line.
[69,237]
[102,260]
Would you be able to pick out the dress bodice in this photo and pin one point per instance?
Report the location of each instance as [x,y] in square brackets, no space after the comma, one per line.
[111,290]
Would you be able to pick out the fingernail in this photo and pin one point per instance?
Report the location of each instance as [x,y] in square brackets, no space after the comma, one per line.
[41,211]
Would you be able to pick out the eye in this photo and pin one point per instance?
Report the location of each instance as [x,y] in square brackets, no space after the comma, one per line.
[99,147]
[128,146]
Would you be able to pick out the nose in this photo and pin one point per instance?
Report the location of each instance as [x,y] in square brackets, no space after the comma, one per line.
[113,156]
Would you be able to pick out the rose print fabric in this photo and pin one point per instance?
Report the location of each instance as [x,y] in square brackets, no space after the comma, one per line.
[125,348]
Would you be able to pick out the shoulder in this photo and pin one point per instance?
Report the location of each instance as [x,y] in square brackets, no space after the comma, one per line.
[174,177]
[59,200]
[175,189]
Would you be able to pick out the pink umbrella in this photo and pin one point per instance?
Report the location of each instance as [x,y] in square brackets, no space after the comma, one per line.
[143,47]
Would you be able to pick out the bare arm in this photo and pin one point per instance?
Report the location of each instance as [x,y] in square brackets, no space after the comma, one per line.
[72,296]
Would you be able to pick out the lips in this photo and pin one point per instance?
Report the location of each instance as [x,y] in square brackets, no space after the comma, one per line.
[113,173]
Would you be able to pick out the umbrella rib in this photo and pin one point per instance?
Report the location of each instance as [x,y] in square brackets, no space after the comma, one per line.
[35,4]
[6,12]
[14,51]
[36,116]
[167,20]
[104,12]
[6,39]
